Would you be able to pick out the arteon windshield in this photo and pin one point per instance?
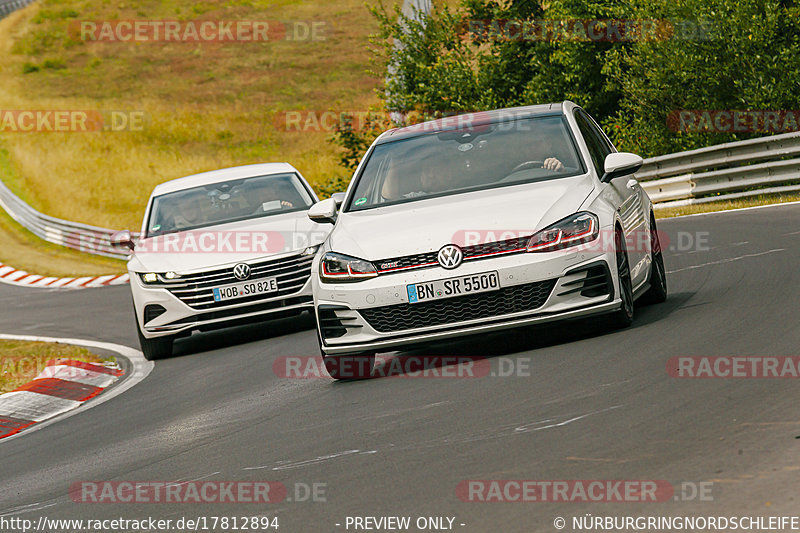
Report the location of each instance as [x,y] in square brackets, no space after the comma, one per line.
[228,201]
[452,162]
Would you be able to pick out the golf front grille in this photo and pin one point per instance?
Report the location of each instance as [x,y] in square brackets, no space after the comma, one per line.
[507,300]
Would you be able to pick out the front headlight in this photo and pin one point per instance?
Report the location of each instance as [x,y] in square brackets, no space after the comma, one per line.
[337,268]
[151,278]
[574,230]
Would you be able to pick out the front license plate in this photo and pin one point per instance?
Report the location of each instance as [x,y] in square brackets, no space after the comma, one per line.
[449,288]
[243,290]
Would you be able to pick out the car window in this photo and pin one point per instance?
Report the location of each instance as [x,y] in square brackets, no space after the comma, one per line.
[599,132]
[598,146]
[462,160]
[227,201]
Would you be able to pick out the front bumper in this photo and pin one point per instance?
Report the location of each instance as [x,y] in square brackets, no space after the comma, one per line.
[167,311]
[375,315]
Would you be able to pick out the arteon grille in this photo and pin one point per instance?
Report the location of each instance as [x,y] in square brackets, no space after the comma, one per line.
[196,290]
[471,253]
[507,300]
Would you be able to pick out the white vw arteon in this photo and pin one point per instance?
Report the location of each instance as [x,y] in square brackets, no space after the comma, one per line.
[482,222]
[222,248]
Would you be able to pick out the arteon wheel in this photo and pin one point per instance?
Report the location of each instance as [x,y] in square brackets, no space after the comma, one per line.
[158,348]
[358,366]
[623,317]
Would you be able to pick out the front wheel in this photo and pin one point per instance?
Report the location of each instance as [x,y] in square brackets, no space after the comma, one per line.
[358,366]
[157,348]
[623,317]
[657,293]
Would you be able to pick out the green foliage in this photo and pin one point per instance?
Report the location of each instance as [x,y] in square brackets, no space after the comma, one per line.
[355,137]
[750,60]
[706,55]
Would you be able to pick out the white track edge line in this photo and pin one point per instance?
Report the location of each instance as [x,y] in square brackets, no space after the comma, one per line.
[782,204]
[141,369]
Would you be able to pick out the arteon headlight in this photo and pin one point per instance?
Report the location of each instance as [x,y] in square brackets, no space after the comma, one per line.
[163,277]
[337,268]
[574,230]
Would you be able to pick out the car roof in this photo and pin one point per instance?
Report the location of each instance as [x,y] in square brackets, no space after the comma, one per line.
[225,174]
[474,119]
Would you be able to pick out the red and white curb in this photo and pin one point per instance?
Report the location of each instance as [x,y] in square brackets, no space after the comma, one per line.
[12,276]
[63,387]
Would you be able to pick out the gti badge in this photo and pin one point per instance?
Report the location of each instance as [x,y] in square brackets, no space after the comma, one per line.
[450,256]
[241,271]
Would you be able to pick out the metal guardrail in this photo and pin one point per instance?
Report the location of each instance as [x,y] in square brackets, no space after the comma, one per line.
[81,237]
[74,235]
[689,177]
[8,6]
[670,180]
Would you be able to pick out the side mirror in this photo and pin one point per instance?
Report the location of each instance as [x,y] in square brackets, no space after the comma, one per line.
[620,164]
[338,197]
[323,212]
[122,239]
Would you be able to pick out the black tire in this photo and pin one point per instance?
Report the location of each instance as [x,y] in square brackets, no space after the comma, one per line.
[356,366]
[623,317]
[657,293]
[158,348]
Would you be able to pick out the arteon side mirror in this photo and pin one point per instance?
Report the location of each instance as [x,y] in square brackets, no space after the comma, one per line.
[122,239]
[338,197]
[620,164]
[323,212]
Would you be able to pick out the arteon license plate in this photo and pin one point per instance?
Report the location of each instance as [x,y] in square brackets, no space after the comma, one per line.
[243,290]
[449,288]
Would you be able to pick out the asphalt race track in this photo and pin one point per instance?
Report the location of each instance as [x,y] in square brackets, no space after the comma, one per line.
[594,405]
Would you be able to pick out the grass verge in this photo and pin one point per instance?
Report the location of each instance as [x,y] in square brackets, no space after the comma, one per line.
[23,250]
[21,361]
[755,201]
[205,106]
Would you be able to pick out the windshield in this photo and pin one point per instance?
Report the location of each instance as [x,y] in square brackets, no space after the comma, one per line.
[483,157]
[227,201]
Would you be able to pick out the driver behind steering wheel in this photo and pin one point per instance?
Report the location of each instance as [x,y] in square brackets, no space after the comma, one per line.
[549,162]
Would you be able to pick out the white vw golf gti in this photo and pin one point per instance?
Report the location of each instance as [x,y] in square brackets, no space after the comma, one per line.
[482,222]
[222,248]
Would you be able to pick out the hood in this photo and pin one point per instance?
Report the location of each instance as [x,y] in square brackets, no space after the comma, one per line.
[427,225]
[227,244]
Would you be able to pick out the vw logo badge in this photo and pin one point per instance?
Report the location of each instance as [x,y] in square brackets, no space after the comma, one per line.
[241,271]
[450,256]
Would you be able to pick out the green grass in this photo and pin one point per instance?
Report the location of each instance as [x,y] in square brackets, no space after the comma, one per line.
[25,251]
[764,199]
[21,361]
[207,106]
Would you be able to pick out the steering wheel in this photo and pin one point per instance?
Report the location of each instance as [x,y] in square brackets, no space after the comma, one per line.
[528,164]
